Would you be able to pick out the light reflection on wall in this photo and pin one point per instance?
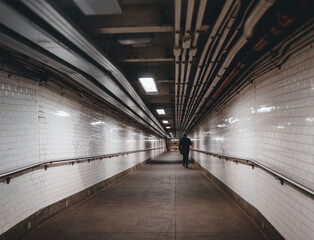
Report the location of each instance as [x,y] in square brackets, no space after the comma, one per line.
[117,129]
[264,109]
[75,130]
[97,123]
[232,120]
[218,139]
[207,133]
[62,114]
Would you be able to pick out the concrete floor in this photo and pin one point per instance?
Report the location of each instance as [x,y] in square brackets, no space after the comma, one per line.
[163,200]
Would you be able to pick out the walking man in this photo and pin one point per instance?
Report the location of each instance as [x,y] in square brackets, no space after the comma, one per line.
[184,147]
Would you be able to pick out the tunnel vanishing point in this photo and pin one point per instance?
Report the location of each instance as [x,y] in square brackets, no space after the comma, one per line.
[95,96]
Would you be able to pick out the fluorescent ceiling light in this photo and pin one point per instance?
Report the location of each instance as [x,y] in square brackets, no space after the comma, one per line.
[149,85]
[168,127]
[161,111]
[165,121]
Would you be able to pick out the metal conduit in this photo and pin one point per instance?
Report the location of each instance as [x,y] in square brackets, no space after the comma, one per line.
[186,44]
[177,52]
[237,28]
[217,38]
[209,89]
[257,13]
[220,19]
[192,53]
[220,39]
[212,36]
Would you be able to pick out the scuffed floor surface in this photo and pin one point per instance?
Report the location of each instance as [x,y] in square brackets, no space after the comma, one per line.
[163,200]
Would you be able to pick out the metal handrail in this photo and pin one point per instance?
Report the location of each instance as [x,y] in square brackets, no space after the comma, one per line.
[8,175]
[254,163]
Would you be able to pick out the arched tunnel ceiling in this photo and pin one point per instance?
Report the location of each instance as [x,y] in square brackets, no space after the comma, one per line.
[201,52]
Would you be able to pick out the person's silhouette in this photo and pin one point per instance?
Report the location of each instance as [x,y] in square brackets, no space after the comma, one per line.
[184,147]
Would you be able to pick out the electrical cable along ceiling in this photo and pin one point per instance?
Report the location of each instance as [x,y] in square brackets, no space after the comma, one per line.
[195,55]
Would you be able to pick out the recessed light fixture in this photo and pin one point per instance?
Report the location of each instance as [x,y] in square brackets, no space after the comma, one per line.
[165,121]
[168,127]
[161,111]
[149,85]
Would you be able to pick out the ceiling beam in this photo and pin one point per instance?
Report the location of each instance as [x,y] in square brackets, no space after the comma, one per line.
[135,60]
[164,81]
[133,29]
[139,29]
[135,80]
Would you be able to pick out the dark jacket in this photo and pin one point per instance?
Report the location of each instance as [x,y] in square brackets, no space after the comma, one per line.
[185,144]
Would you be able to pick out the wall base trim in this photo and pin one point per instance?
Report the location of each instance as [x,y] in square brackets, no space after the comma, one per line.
[258,218]
[44,214]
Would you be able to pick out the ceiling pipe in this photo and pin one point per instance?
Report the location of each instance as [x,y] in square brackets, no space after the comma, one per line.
[238,27]
[211,66]
[177,53]
[220,19]
[186,44]
[257,13]
[192,52]
[259,10]
[220,25]
[284,21]
[259,45]
[177,20]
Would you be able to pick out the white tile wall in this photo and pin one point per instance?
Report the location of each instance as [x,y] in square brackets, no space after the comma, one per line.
[38,124]
[18,122]
[68,129]
[271,121]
